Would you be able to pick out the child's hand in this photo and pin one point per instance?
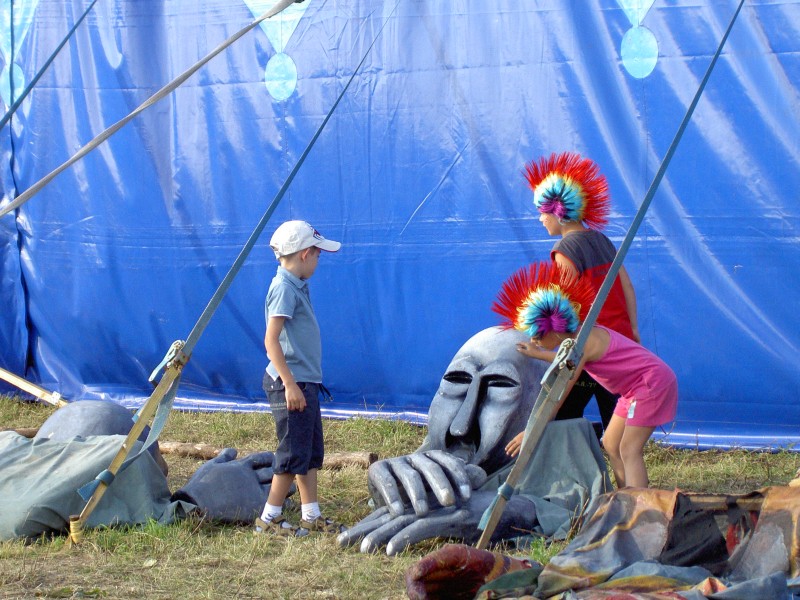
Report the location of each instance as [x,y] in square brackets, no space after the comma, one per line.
[513,447]
[295,400]
[532,349]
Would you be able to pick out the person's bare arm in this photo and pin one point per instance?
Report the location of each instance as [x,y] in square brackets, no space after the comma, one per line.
[534,350]
[630,302]
[295,400]
[565,265]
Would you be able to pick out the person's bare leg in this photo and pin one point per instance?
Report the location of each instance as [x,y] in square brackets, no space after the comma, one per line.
[281,482]
[632,452]
[307,484]
[612,439]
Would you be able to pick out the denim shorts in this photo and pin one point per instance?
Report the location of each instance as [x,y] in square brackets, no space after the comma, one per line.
[300,442]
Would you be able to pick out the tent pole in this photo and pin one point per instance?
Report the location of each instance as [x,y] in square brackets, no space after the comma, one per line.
[40,393]
[571,351]
[180,352]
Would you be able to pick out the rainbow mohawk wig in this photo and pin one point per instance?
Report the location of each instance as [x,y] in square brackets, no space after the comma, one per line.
[570,187]
[539,299]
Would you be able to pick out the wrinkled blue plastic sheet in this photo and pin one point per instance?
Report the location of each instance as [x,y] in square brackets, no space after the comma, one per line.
[417,173]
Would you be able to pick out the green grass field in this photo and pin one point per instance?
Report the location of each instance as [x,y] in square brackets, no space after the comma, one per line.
[196,559]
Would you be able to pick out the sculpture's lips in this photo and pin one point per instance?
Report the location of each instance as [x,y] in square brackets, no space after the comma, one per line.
[464,446]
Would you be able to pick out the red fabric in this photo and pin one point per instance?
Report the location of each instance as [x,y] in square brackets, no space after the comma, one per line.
[614,313]
[457,571]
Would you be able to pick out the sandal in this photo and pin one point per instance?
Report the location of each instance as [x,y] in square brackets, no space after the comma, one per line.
[322,525]
[276,527]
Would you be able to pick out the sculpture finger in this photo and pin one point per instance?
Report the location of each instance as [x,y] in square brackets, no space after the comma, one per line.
[378,538]
[365,526]
[455,468]
[225,455]
[445,524]
[413,487]
[259,460]
[477,476]
[438,481]
[264,475]
[382,479]
[375,514]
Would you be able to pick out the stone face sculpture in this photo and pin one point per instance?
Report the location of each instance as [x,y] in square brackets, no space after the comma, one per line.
[484,399]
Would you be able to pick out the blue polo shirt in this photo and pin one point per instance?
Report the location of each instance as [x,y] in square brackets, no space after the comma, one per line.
[300,338]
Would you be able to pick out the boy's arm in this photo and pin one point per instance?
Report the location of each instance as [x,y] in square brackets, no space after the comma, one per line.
[295,400]
[630,302]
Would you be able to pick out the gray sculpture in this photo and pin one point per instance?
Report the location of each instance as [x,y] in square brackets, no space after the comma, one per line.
[39,477]
[94,417]
[484,399]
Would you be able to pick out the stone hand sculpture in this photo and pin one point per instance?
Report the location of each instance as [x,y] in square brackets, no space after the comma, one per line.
[423,479]
[460,521]
[230,490]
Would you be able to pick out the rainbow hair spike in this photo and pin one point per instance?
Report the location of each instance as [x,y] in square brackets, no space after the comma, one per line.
[569,187]
[540,298]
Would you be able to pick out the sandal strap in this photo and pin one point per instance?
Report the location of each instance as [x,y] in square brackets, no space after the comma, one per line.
[323,525]
[276,527]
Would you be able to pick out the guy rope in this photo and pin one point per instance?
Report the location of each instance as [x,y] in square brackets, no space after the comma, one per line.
[159,95]
[158,405]
[558,375]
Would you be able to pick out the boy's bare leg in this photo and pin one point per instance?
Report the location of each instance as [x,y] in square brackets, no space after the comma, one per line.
[281,482]
[307,484]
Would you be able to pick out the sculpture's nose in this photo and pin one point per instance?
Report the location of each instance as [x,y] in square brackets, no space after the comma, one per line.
[466,414]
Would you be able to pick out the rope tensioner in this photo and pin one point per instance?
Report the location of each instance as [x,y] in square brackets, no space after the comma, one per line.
[174,357]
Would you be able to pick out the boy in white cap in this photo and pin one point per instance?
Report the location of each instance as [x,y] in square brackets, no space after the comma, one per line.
[293,380]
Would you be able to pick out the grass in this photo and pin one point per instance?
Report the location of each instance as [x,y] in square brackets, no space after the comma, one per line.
[196,559]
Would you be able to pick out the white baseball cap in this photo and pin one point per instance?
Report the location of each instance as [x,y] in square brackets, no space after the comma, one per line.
[293,236]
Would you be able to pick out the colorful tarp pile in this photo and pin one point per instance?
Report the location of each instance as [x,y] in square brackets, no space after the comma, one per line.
[666,544]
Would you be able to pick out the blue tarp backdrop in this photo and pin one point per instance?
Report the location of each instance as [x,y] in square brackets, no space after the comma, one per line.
[418,174]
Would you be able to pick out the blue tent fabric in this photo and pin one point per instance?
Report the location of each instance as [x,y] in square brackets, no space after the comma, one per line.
[418,173]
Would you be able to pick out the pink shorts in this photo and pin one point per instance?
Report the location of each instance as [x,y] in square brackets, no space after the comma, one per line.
[656,409]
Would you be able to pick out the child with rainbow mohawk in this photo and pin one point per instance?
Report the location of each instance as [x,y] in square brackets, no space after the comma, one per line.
[549,305]
[571,196]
